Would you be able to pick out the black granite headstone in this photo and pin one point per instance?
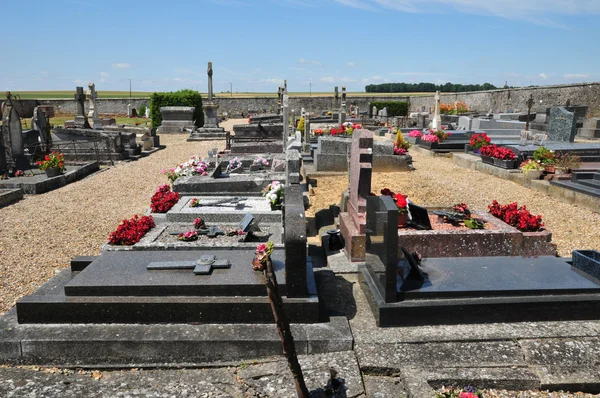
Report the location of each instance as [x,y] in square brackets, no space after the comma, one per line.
[217,171]
[419,217]
[246,224]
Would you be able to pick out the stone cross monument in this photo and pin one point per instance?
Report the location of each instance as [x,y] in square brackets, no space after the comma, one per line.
[342,114]
[80,119]
[437,119]
[209,72]
[93,119]
[211,129]
[286,115]
[529,105]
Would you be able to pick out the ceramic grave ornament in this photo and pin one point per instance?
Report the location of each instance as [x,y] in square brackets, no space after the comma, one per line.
[93,119]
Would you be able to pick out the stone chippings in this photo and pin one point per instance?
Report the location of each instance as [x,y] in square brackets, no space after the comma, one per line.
[573,228]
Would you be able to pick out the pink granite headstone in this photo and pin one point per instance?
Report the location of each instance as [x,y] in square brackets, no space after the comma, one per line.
[353,222]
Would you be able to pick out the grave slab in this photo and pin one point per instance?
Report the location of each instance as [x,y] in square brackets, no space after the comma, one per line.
[232,211]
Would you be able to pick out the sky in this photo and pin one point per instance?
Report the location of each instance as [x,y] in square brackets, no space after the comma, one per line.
[314,44]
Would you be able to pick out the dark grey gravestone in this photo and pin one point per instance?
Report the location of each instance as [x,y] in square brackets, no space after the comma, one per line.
[500,276]
[217,171]
[382,245]
[419,217]
[562,125]
[295,243]
[246,224]
[149,274]
[587,261]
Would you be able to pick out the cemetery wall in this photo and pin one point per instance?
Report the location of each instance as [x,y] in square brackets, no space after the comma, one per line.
[482,101]
[501,100]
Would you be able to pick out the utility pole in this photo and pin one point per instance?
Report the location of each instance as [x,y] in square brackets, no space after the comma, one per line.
[231,89]
[130,87]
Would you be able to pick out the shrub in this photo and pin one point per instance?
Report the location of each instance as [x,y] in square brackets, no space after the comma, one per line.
[163,199]
[400,142]
[300,125]
[129,232]
[177,98]
[394,108]
[141,110]
[544,156]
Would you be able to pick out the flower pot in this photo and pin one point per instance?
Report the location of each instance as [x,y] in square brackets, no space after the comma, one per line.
[53,172]
[549,169]
[505,164]
[402,220]
[533,174]
[487,159]
[275,206]
[336,241]
[476,150]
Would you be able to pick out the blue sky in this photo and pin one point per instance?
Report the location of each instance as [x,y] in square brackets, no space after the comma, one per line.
[318,44]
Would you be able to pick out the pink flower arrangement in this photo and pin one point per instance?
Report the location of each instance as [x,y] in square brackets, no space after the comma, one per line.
[430,138]
[415,134]
[399,151]
[188,236]
[19,173]
[199,223]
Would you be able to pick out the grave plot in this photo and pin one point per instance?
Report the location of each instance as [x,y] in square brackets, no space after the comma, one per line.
[10,196]
[332,155]
[201,234]
[34,182]
[467,290]
[221,182]
[222,209]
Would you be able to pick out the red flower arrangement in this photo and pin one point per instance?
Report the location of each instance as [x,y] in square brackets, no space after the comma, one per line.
[462,208]
[400,200]
[515,216]
[163,199]
[129,232]
[479,140]
[497,152]
[399,151]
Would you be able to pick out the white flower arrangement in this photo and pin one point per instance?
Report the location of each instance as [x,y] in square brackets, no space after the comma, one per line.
[274,193]
[261,162]
[233,164]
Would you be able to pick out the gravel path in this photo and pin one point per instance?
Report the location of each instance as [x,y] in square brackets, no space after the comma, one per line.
[439,182]
[40,234]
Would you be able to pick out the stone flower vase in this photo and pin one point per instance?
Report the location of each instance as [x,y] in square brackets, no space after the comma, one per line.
[549,169]
[402,220]
[53,172]
[476,150]
[275,206]
[533,174]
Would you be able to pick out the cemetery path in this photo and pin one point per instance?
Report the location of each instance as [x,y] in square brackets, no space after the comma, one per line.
[40,234]
[437,182]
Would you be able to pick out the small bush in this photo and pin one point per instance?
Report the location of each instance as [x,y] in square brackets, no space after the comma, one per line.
[394,108]
[300,125]
[141,110]
[177,98]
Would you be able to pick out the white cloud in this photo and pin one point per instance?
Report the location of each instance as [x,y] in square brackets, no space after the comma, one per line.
[576,76]
[351,64]
[103,77]
[373,79]
[274,80]
[543,76]
[77,81]
[44,73]
[536,11]
[122,65]
[327,79]
[303,61]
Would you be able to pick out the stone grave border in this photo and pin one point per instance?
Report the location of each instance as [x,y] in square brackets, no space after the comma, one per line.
[48,184]
[10,196]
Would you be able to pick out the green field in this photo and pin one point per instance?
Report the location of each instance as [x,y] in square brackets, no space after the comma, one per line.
[145,94]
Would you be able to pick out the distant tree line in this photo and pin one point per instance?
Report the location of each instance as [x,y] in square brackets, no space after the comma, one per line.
[426,87]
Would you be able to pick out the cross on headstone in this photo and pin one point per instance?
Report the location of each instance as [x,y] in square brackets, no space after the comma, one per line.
[203,266]
[529,105]
[80,119]
[209,72]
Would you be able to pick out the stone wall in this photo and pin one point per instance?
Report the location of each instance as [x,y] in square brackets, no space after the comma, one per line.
[481,101]
[501,100]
